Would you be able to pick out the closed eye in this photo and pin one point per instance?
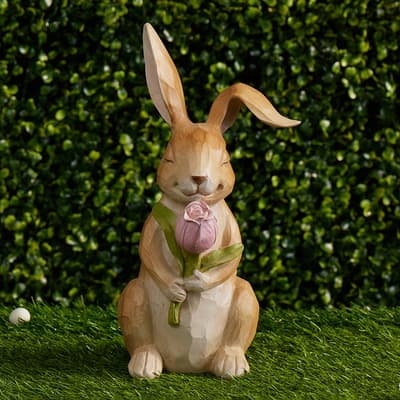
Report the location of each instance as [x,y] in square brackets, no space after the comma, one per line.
[225,158]
[169,160]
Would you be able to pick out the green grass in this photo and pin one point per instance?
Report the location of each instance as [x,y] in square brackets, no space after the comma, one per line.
[78,353]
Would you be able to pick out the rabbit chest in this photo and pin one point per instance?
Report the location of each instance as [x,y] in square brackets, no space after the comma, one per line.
[189,343]
[190,346]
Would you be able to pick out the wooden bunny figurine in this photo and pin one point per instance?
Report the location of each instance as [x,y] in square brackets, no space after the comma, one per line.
[188,311]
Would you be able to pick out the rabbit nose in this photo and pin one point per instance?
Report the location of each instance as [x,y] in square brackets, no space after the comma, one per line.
[198,180]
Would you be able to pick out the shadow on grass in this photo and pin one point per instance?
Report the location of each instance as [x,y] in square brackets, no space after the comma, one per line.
[106,358]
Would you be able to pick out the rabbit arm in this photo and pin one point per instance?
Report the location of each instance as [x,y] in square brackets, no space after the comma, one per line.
[214,276]
[158,264]
[201,281]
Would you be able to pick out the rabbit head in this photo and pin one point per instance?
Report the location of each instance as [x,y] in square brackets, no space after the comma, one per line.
[196,164]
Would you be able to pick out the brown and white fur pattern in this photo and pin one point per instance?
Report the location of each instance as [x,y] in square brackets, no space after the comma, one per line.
[219,314]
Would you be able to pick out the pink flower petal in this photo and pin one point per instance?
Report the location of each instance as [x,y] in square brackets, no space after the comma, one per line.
[196,229]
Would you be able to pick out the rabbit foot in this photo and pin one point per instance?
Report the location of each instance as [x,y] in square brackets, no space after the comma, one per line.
[146,362]
[229,362]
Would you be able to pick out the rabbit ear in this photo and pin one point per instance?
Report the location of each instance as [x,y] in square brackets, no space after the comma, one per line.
[162,78]
[227,105]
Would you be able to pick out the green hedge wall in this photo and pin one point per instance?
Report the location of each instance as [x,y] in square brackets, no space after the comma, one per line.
[318,206]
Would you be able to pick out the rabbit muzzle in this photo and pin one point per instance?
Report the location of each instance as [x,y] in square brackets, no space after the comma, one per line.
[200,186]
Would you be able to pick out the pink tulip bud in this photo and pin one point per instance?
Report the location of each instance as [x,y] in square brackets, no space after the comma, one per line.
[196,229]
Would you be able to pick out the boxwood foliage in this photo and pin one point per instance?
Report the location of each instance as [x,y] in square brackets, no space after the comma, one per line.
[318,205]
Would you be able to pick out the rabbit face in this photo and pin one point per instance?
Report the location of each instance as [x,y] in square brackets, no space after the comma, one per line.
[196,166]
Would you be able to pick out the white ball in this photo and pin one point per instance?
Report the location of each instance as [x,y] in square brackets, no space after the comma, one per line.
[19,316]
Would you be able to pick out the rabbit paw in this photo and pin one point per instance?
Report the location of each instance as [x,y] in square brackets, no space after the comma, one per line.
[146,362]
[229,362]
[198,282]
[175,292]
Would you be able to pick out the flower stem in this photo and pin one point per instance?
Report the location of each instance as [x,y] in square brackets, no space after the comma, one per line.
[174,313]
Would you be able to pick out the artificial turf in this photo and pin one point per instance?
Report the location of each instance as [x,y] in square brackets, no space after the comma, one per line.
[78,353]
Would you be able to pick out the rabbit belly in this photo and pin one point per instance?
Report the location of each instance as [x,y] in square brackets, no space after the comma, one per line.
[190,346]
